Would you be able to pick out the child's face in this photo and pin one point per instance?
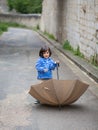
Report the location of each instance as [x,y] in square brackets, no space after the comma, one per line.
[46,54]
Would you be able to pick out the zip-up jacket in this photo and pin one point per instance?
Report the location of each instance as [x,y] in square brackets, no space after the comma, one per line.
[44,67]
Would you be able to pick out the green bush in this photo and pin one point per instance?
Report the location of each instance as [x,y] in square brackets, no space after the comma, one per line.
[3,28]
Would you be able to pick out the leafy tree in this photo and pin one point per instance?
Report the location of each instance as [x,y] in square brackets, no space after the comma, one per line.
[10,4]
[26,6]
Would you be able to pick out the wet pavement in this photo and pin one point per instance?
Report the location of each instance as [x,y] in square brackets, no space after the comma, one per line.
[19,50]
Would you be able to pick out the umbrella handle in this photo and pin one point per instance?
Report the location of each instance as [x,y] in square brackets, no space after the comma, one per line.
[57,71]
[58,79]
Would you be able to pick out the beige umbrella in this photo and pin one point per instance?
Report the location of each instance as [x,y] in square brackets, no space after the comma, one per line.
[58,92]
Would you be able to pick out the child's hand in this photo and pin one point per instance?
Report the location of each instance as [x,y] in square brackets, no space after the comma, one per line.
[58,63]
[45,70]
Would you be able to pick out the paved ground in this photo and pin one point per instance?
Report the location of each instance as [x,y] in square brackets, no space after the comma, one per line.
[18,53]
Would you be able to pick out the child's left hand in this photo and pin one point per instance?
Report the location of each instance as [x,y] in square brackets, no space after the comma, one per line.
[45,70]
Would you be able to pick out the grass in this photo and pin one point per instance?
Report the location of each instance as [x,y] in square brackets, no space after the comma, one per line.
[3,28]
[77,52]
[67,46]
[5,25]
[50,36]
[94,60]
[36,28]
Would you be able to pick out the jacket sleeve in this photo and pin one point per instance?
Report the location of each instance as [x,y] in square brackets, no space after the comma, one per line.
[52,65]
[39,66]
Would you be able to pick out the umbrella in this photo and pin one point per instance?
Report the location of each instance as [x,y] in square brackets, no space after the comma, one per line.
[58,92]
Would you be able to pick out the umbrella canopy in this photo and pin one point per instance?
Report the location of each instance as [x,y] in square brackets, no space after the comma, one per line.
[58,92]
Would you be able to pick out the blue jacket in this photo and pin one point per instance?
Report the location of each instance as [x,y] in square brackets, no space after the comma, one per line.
[44,68]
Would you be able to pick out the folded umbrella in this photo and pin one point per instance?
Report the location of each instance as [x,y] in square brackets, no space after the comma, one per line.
[58,92]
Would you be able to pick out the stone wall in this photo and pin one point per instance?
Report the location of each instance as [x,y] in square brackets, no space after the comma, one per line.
[52,17]
[73,20]
[49,17]
[29,20]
